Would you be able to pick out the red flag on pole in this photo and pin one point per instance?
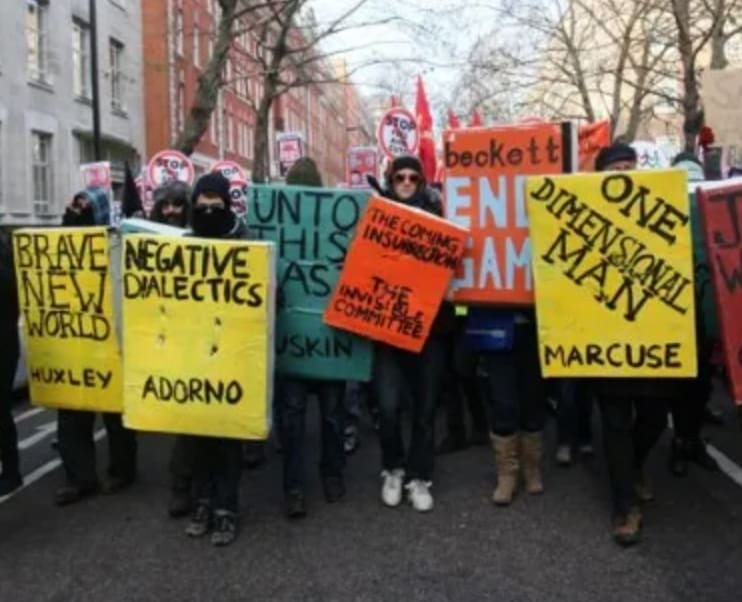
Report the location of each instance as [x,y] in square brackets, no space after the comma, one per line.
[476,119]
[425,128]
[453,120]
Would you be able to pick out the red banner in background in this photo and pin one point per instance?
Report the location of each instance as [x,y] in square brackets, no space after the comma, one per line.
[592,137]
[721,209]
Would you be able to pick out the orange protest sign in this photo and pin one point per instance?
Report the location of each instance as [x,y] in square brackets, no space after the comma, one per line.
[396,273]
[593,137]
[485,172]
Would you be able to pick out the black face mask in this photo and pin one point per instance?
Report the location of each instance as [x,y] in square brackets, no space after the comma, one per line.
[84,218]
[212,222]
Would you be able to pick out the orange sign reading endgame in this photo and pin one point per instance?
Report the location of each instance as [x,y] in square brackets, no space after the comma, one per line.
[396,273]
[485,193]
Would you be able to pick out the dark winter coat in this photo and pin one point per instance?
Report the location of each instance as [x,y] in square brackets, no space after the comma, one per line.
[8,294]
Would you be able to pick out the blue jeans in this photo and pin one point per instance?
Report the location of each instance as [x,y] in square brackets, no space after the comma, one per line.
[293,398]
[396,372]
[217,468]
[512,385]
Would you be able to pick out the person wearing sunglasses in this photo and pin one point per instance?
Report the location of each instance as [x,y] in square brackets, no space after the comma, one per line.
[171,204]
[397,371]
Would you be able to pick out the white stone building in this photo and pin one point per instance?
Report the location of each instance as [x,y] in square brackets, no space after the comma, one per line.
[45,110]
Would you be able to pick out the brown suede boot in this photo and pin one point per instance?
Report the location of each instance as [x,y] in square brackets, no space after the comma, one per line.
[627,528]
[531,451]
[506,460]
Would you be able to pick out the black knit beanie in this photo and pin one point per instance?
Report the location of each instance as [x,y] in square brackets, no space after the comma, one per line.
[213,184]
[618,151]
[406,162]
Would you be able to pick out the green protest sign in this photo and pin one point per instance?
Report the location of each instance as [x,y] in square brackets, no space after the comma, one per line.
[312,229]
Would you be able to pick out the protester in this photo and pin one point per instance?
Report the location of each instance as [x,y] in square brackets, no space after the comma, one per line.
[171,207]
[689,408]
[515,391]
[395,370]
[10,478]
[75,428]
[293,398]
[633,410]
[171,204]
[216,461]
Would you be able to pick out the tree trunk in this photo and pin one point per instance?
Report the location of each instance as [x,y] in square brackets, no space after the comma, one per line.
[261,166]
[718,40]
[692,116]
[209,83]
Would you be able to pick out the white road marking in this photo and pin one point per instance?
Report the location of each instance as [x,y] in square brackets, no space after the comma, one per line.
[28,414]
[45,469]
[42,432]
[727,466]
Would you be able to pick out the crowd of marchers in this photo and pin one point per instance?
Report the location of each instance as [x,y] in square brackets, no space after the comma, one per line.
[506,397]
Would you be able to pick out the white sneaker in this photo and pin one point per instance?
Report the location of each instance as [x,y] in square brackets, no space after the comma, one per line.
[564,455]
[418,493]
[391,490]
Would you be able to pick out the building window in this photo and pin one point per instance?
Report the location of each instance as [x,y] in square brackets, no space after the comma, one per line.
[181,108]
[36,39]
[179,32]
[196,42]
[212,129]
[230,133]
[116,55]
[80,59]
[41,162]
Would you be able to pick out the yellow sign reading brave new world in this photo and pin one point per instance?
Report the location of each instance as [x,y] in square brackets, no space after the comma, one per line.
[198,335]
[613,269]
[65,296]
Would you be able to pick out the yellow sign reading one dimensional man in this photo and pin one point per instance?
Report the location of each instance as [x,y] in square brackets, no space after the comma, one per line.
[65,297]
[198,335]
[613,269]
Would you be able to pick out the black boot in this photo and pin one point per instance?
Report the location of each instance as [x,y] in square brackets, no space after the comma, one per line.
[295,505]
[677,463]
[695,451]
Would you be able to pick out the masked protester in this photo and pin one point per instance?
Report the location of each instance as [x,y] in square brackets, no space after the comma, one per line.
[10,478]
[171,204]
[75,428]
[217,461]
[396,370]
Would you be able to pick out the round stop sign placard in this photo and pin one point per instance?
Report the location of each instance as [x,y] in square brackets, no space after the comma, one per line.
[230,170]
[238,192]
[170,166]
[398,133]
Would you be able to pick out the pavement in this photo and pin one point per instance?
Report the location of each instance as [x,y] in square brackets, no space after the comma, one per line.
[552,547]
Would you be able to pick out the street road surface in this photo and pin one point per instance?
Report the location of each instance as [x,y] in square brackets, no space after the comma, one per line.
[554,547]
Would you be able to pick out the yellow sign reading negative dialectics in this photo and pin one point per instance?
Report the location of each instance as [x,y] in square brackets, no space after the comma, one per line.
[65,296]
[198,335]
[613,269]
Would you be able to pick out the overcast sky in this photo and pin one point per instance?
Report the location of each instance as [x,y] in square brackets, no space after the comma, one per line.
[454,29]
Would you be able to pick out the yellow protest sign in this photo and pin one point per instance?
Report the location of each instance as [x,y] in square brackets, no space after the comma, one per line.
[613,269]
[65,297]
[198,335]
